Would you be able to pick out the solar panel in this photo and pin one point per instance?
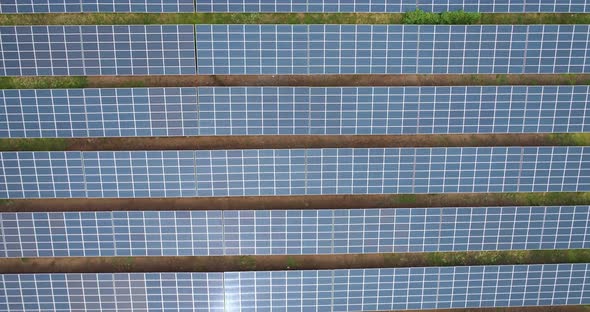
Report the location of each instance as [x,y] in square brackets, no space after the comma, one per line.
[400,6]
[92,6]
[391,49]
[293,172]
[408,288]
[99,112]
[97,50]
[290,111]
[112,292]
[291,232]
[391,110]
[337,290]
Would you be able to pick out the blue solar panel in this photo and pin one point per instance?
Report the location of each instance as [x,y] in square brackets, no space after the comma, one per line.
[294,172]
[395,110]
[112,292]
[336,290]
[91,6]
[390,6]
[290,111]
[99,112]
[97,50]
[292,232]
[383,49]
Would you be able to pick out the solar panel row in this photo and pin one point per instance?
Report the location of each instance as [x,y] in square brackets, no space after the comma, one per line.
[325,290]
[92,6]
[377,6]
[294,49]
[289,111]
[392,49]
[292,232]
[293,172]
[97,50]
[392,6]
[99,112]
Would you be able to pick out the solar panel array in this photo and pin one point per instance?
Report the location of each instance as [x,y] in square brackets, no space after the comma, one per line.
[393,110]
[335,290]
[293,172]
[112,292]
[392,49]
[293,49]
[287,111]
[93,6]
[156,6]
[292,232]
[65,113]
[389,6]
[97,50]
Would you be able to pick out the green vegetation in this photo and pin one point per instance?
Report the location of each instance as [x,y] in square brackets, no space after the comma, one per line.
[24,260]
[489,199]
[292,263]
[570,139]
[413,17]
[404,199]
[247,263]
[42,82]
[448,18]
[534,18]
[122,263]
[501,79]
[39,144]
[6,202]
[507,257]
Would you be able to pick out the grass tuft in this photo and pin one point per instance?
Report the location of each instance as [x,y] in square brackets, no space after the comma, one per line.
[43,82]
[37,144]
[247,263]
[412,17]
[507,257]
[447,18]
[570,139]
[5,202]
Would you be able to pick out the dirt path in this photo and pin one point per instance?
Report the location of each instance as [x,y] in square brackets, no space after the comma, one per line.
[271,263]
[336,80]
[297,202]
[297,141]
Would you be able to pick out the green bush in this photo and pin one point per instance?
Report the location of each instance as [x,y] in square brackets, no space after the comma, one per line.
[420,17]
[459,18]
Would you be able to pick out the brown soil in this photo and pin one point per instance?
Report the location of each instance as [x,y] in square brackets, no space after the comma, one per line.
[245,263]
[334,80]
[306,141]
[291,202]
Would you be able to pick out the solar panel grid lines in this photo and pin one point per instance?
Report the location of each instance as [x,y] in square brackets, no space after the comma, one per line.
[292,111]
[342,290]
[97,50]
[96,6]
[322,6]
[390,49]
[115,292]
[293,172]
[272,6]
[99,112]
[292,232]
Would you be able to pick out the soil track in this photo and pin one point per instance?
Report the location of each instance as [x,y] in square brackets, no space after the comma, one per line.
[304,141]
[272,263]
[336,80]
[295,202]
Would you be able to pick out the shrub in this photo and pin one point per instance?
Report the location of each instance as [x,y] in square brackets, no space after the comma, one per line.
[459,18]
[421,17]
